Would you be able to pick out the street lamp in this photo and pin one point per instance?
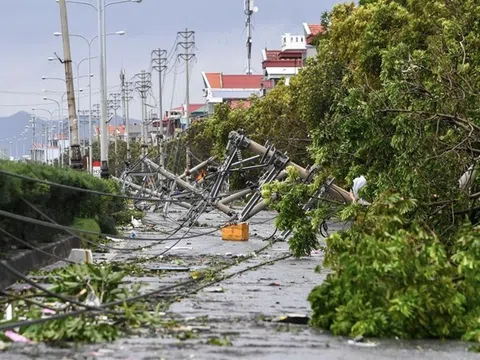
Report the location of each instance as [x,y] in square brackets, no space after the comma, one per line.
[101,10]
[78,80]
[62,148]
[89,44]
[48,128]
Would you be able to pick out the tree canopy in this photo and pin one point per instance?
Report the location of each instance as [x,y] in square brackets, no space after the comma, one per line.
[392,95]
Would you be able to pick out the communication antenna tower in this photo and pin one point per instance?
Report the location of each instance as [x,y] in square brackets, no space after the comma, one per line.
[249,10]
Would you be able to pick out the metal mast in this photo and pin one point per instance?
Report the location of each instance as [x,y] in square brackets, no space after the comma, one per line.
[249,10]
[143,85]
[187,44]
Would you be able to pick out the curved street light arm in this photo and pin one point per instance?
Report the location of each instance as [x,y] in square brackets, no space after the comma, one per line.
[82,3]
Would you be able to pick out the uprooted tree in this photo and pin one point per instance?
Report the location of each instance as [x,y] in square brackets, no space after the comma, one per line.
[392,95]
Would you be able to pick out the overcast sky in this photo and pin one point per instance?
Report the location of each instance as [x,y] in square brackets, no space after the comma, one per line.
[27,40]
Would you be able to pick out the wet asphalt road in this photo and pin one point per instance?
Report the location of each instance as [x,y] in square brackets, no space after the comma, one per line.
[241,311]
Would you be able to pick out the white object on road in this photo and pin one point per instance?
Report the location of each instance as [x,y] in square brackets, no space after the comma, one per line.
[136,223]
[81,256]
[113,239]
[362,344]
[179,248]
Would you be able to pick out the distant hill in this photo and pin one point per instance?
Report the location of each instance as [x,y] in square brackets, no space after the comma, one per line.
[14,125]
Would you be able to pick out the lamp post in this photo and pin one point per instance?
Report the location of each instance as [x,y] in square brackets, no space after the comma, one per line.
[101,10]
[89,44]
[60,111]
[10,148]
[61,107]
[34,151]
[47,127]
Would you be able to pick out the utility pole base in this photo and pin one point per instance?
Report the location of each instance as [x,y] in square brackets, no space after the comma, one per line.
[76,158]
[104,174]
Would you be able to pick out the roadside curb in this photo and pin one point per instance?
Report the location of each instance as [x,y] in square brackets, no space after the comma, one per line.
[33,259]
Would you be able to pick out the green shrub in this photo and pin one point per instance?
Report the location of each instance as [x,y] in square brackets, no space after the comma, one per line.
[62,205]
[88,225]
[393,277]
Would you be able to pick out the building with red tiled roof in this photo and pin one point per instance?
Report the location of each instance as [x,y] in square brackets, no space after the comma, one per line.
[311,31]
[231,88]
[287,61]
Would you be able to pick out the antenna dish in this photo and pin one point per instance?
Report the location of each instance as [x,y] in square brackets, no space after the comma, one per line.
[255,9]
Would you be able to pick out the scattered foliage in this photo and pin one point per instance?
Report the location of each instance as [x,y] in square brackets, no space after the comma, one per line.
[93,283]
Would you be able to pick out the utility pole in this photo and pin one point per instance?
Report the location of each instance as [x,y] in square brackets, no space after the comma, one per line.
[127,95]
[143,85]
[96,117]
[83,121]
[187,44]
[159,59]
[115,105]
[76,159]
[249,10]
[104,136]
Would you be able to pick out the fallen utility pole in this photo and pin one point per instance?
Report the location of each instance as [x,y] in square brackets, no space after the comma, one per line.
[76,158]
[256,203]
[157,196]
[185,185]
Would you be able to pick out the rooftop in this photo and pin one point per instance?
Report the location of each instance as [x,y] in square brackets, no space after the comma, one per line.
[235,81]
[192,107]
[312,30]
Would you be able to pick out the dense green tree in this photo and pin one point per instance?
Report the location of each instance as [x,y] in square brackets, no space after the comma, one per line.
[392,95]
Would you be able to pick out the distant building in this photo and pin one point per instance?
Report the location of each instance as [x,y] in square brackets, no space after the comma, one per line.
[287,61]
[311,31]
[175,121]
[49,153]
[234,89]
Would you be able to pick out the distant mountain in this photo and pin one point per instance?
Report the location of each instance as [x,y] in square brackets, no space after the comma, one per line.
[14,125]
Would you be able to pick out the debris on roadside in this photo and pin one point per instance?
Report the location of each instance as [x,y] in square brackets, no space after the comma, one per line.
[136,223]
[17,337]
[299,319]
[114,239]
[214,290]
[179,248]
[219,341]
[360,341]
[167,268]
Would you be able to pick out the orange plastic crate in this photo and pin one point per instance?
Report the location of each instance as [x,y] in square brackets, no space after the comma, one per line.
[236,232]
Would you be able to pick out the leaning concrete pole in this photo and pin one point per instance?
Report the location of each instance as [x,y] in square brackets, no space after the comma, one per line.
[76,158]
